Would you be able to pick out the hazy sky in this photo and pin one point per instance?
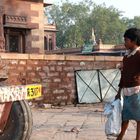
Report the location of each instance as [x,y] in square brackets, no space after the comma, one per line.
[130,8]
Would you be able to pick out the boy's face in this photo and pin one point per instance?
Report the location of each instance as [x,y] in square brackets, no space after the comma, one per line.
[129,44]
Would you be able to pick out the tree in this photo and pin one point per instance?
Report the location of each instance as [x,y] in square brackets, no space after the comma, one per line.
[107,23]
[69,19]
[136,21]
[76,20]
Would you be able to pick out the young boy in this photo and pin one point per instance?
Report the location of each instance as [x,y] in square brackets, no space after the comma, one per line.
[130,81]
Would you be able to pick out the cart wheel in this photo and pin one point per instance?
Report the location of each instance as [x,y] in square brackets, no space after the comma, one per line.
[19,125]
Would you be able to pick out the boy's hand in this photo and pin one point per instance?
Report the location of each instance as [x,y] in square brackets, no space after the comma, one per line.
[118,96]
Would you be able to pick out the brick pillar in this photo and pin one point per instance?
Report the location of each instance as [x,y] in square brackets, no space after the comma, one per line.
[2,40]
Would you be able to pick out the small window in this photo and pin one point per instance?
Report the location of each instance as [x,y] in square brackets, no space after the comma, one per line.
[13,43]
[15,40]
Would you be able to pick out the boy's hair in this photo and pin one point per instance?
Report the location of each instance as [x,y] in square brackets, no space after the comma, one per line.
[133,34]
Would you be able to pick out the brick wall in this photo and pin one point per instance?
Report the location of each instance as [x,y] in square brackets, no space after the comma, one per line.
[54,72]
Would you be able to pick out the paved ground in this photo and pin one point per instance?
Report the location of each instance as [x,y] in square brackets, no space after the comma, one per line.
[72,123]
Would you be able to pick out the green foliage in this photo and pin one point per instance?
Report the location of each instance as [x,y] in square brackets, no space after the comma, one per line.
[107,23]
[76,20]
[136,22]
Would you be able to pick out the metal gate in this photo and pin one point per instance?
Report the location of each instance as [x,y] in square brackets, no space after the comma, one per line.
[97,85]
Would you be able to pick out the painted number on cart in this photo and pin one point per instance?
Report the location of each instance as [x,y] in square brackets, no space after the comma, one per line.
[33,91]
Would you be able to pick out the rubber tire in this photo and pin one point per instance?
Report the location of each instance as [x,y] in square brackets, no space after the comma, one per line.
[19,125]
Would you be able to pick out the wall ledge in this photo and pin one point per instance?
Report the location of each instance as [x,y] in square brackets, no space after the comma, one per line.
[59,57]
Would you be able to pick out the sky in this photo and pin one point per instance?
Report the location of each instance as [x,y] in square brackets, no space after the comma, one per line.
[130,8]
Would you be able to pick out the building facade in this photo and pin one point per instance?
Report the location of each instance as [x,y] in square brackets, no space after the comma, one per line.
[25,29]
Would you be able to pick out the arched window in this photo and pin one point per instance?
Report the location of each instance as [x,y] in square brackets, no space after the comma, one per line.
[50,44]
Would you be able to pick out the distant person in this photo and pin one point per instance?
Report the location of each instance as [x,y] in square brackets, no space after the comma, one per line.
[130,82]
